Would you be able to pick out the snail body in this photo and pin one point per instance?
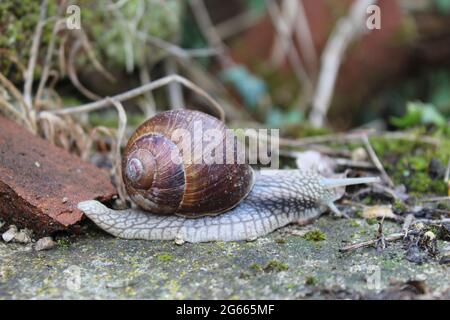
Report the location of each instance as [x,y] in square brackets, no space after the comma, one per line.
[195,201]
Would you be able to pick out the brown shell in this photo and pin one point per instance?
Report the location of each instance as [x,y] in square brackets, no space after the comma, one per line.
[171,184]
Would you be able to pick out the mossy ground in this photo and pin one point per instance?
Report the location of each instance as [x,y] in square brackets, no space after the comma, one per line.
[96,265]
[407,163]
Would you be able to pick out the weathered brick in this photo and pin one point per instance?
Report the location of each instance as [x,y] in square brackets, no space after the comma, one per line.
[41,184]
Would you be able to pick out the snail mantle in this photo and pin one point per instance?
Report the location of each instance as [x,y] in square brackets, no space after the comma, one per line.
[41,184]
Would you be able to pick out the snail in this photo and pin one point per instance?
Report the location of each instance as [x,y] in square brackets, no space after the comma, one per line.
[182,198]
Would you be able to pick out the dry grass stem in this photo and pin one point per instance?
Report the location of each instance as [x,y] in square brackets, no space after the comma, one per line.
[73,74]
[117,154]
[376,161]
[346,30]
[97,105]
[28,86]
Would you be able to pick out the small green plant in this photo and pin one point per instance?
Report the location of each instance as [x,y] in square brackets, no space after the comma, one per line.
[63,243]
[311,281]
[275,265]
[315,236]
[419,113]
[255,267]
[164,257]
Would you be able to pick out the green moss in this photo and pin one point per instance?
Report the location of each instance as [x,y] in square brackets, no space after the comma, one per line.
[371,221]
[311,281]
[353,223]
[114,42]
[164,257]
[5,273]
[290,286]
[367,201]
[17,27]
[359,213]
[314,235]
[399,206]
[255,267]
[63,243]
[407,162]
[275,265]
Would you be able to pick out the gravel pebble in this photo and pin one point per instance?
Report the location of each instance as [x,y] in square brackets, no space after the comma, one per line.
[359,154]
[45,243]
[10,233]
[23,236]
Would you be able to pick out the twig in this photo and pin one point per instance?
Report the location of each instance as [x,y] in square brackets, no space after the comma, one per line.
[435,199]
[14,92]
[389,238]
[283,20]
[48,57]
[389,191]
[380,234]
[91,55]
[376,161]
[148,103]
[407,223]
[346,30]
[447,172]
[337,137]
[9,107]
[140,90]
[175,50]
[434,221]
[28,86]
[287,45]
[117,155]
[237,24]
[330,151]
[305,39]
[73,73]
[339,161]
[175,92]
[208,30]
[62,56]
[400,135]
[212,85]
[354,164]
[343,138]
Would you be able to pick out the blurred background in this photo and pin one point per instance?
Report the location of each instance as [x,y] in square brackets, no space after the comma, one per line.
[263,60]
[307,67]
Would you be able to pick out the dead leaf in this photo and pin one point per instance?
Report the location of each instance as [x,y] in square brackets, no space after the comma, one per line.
[315,161]
[379,212]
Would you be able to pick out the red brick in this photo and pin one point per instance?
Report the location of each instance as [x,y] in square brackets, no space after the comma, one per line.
[35,177]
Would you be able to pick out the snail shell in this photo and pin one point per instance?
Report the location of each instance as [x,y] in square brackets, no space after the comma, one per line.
[162,178]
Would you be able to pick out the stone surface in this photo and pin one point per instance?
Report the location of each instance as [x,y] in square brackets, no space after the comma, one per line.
[35,177]
[95,265]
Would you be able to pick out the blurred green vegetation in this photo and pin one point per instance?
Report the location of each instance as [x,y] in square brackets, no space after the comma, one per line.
[407,162]
[18,20]
[115,32]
